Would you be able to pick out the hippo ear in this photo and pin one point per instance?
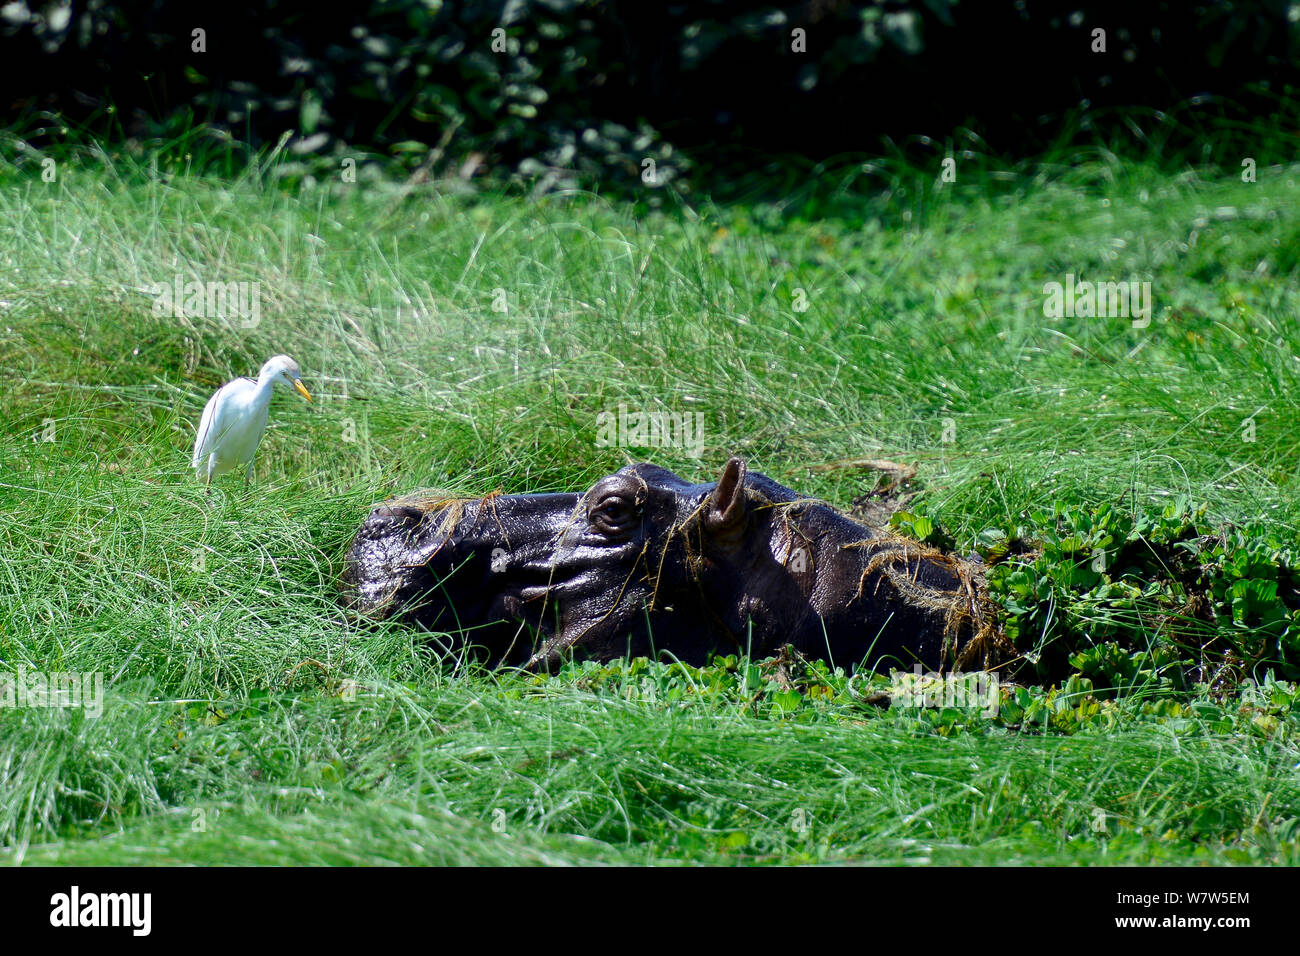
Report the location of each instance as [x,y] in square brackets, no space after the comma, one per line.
[725,512]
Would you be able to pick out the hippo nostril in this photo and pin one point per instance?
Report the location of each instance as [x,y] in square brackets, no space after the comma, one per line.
[398,513]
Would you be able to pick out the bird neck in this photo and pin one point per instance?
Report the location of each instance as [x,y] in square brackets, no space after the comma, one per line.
[265,385]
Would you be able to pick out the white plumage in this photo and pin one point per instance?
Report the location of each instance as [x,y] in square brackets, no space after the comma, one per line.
[234,419]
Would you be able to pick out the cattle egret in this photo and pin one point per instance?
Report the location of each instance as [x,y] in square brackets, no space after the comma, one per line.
[235,419]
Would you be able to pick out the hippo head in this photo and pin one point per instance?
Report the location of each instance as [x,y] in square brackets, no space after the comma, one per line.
[645,563]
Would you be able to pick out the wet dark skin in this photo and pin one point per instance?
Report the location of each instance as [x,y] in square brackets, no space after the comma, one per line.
[645,564]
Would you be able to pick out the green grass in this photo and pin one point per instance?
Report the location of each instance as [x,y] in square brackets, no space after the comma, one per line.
[214,624]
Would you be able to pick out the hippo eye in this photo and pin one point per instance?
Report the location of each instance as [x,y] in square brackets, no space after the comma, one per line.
[614,514]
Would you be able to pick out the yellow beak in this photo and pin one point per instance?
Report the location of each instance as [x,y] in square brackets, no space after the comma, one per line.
[302,389]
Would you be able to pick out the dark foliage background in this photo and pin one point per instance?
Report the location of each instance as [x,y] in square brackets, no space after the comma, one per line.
[597,86]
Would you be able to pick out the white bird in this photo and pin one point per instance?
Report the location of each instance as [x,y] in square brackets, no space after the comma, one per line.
[234,419]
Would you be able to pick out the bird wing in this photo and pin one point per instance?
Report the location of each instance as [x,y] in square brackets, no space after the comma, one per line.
[209,429]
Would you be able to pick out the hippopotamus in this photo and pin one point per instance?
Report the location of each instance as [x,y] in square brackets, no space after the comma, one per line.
[645,563]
